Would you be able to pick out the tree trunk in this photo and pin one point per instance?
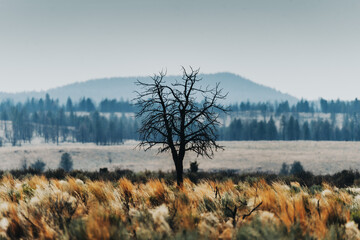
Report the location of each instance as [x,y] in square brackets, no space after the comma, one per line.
[179,172]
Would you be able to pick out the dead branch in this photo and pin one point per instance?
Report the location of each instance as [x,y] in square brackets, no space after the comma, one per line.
[247,215]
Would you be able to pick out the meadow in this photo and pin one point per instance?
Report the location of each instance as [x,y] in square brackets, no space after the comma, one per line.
[264,156]
[235,195]
[35,207]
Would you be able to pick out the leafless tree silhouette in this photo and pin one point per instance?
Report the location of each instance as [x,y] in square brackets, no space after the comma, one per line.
[175,121]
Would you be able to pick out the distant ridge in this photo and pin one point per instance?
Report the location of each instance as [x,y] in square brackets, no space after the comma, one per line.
[239,89]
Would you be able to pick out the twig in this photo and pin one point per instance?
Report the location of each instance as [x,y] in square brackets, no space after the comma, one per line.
[246,215]
[233,214]
[243,203]
[318,207]
[217,192]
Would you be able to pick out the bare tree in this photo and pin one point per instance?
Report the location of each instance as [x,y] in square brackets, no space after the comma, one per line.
[175,121]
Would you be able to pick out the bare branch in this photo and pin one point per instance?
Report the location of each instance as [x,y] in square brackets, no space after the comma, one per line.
[174,120]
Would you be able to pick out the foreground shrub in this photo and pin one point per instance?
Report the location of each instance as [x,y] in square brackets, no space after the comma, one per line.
[257,229]
[345,178]
[355,216]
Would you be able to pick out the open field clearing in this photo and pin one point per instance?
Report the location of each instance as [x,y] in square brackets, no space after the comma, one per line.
[317,157]
[39,208]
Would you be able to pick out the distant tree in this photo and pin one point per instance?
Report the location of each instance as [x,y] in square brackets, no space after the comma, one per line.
[337,134]
[296,130]
[234,130]
[261,131]
[23,164]
[69,105]
[22,129]
[4,115]
[66,162]
[245,106]
[48,103]
[290,129]
[283,107]
[325,130]
[60,123]
[173,119]
[90,106]
[283,124]
[38,165]
[306,131]
[82,104]
[194,167]
[99,123]
[293,129]
[271,131]
[284,169]
[296,168]
[41,105]
[324,105]
[304,106]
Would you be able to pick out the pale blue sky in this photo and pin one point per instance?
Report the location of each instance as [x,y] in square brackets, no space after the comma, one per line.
[307,48]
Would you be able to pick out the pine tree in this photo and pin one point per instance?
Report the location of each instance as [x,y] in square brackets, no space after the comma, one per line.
[271,131]
[66,162]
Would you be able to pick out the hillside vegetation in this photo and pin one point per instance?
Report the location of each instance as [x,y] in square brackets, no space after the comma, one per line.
[40,208]
[241,89]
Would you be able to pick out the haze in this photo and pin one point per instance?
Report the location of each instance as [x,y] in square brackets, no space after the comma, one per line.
[307,48]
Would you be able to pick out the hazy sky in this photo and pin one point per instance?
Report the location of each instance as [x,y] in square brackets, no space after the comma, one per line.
[308,48]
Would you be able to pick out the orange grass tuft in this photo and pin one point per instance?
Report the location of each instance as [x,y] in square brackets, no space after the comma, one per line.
[157,192]
[101,191]
[126,188]
[36,208]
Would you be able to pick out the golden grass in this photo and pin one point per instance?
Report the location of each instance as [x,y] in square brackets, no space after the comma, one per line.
[38,208]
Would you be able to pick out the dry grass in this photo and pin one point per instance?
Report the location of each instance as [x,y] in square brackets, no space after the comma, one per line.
[38,208]
[318,157]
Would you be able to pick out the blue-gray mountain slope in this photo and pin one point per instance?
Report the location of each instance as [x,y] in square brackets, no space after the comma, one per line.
[238,88]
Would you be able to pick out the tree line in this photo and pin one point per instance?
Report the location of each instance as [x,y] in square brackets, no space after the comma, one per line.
[302,106]
[114,106]
[289,128]
[82,105]
[276,108]
[106,123]
[22,124]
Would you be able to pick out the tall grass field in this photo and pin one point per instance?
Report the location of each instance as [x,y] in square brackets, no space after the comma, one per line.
[36,207]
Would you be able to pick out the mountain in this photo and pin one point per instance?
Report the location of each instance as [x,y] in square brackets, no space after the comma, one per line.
[239,89]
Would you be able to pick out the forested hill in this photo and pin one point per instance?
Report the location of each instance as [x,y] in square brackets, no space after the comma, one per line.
[239,88]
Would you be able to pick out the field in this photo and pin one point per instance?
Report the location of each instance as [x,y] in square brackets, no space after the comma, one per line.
[148,206]
[317,157]
[40,208]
